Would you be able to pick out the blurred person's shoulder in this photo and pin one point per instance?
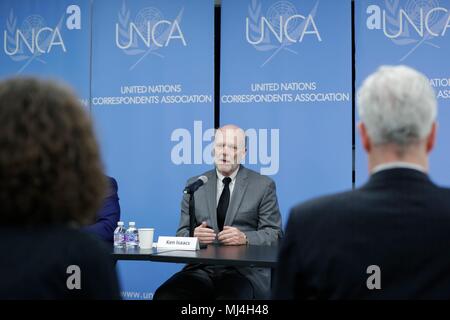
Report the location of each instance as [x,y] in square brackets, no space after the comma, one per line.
[324,207]
[112,184]
[86,250]
[64,243]
[40,260]
[77,238]
[92,257]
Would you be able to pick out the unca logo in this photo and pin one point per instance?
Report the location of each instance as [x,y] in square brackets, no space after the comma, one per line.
[34,37]
[280,28]
[147,33]
[416,23]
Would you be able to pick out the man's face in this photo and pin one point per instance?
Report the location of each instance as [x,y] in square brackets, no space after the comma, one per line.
[229,150]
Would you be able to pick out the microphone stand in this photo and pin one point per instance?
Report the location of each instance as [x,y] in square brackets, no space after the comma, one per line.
[192,219]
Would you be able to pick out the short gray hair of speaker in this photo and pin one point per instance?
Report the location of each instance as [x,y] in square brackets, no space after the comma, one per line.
[397,105]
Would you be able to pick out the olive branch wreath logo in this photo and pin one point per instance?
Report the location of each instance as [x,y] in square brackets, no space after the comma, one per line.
[266,44]
[136,50]
[405,38]
[11,27]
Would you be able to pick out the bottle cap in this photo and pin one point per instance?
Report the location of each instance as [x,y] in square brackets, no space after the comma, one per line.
[120,223]
[132,223]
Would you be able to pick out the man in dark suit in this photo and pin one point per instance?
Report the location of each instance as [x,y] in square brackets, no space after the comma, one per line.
[388,239]
[108,215]
[237,206]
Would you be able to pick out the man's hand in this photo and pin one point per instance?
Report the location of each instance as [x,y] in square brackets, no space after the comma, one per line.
[204,233]
[232,236]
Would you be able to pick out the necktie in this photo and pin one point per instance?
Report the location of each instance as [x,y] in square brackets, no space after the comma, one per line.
[224,200]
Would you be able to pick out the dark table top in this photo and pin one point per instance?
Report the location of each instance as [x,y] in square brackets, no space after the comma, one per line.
[255,256]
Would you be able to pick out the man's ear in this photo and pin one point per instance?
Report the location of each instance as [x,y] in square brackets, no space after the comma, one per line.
[365,139]
[431,139]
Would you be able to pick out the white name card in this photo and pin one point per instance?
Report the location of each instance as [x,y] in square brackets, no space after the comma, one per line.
[178,243]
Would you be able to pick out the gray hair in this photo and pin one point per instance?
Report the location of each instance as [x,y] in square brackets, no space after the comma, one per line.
[397,105]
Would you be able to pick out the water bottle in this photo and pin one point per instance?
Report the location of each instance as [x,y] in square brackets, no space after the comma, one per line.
[119,235]
[131,236]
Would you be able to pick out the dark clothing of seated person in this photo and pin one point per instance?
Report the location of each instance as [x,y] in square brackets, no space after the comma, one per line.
[44,263]
[108,215]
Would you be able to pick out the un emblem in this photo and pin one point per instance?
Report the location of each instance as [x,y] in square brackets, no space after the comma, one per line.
[148,17]
[281,11]
[30,26]
[280,28]
[147,33]
[414,8]
[410,23]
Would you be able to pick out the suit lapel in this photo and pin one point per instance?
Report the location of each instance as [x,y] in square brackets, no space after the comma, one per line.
[236,198]
[210,190]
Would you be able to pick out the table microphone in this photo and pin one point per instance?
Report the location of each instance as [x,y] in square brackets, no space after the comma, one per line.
[190,189]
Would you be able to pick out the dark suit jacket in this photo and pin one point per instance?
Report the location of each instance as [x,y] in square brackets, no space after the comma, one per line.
[399,221]
[36,261]
[253,209]
[108,215]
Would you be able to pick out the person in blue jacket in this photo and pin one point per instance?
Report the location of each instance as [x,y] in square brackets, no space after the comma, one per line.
[108,215]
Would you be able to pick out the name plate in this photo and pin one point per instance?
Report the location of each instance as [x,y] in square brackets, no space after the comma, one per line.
[178,243]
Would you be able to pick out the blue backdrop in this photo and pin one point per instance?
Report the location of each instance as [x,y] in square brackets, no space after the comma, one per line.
[146,69]
[152,85]
[420,40]
[286,79]
[50,40]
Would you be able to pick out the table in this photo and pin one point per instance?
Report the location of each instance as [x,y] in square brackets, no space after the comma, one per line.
[242,256]
[250,256]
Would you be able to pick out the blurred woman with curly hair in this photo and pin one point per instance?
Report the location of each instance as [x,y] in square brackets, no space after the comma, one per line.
[51,183]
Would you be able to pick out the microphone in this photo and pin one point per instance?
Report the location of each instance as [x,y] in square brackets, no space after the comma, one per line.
[190,189]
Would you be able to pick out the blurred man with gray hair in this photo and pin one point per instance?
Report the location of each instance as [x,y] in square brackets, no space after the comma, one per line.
[388,239]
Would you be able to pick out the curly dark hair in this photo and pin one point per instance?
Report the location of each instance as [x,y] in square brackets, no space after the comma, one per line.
[50,167]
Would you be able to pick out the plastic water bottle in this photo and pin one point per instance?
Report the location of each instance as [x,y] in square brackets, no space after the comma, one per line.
[119,235]
[131,236]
